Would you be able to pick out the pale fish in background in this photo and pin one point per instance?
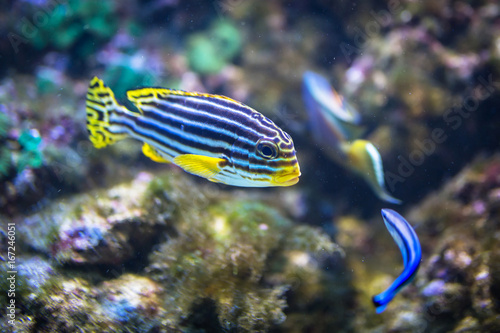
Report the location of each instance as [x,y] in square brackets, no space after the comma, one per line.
[211,136]
[329,113]
[336,127]
[410,248]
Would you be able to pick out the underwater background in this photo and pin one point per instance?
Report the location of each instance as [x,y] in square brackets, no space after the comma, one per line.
[107,240]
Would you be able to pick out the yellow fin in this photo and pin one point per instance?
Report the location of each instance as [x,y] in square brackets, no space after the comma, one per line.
[138,96]
[100,103]
[148,95]
[153,154]
[203,166]
[365,159]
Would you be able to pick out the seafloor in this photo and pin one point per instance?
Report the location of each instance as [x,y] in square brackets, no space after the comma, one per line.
[109,241]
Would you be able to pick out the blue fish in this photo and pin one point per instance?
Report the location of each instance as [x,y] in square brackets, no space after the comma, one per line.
[408,243]
[336,127]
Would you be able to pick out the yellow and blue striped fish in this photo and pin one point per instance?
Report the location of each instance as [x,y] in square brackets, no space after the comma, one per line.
[410,248]
[211,136]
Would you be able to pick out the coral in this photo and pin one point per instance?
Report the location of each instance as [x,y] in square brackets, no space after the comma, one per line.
[226,37]
[237,254]
[4,124]
[434,73]
[223,252]
[222,257]
[54,303]
[462,256]
[125,74]
[131,300]
[209,52]
[5,161]
[79,24]
[47,80]
[102,227]
[30,155]
[70,304]
[202,55]
[18,288]
[5,154]
[35,271]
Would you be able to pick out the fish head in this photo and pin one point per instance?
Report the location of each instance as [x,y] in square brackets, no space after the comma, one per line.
[273,161]
[265,156]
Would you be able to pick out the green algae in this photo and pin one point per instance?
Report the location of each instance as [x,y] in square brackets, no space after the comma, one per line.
[5,153]
[5,161]
[31,155]
[122,77]
[202,55]
[65,28]
[207,247]
[223,256]
[71,305]
[210,51]
[82,301]
[4,124]
[28,155]
[227,38]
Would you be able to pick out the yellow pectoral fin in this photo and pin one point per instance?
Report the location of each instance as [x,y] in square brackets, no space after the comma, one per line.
[153,154]
[203,166]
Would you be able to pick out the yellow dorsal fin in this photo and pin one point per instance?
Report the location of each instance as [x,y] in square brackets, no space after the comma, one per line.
[142,95]
[153,154]
[203,166]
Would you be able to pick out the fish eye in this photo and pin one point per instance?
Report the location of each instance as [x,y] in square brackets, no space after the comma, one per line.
[267,149]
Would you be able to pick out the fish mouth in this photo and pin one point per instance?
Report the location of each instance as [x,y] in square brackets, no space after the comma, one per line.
[288,179]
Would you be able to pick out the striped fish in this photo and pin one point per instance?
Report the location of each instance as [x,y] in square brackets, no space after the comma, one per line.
[211,136]
[408,243]
[336,127]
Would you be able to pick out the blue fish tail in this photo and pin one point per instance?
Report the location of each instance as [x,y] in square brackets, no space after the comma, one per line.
[382,300]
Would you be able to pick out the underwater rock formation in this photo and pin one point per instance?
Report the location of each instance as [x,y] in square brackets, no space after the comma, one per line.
[177,256]
[98,228]
[460,284]
[456,289]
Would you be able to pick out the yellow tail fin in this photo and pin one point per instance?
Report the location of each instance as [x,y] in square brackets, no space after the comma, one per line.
[100,105]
